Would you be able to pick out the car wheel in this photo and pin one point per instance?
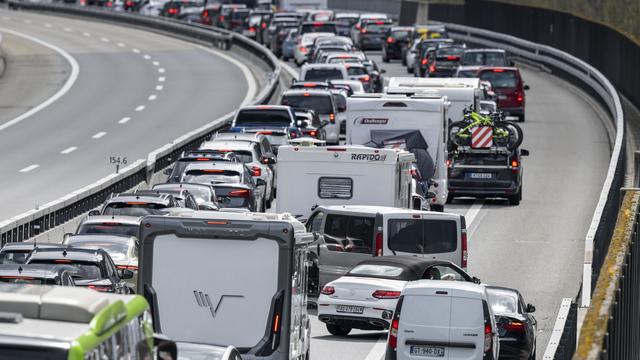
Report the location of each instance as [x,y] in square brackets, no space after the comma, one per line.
[515,199]
[338,330]
[449,198]
[437,208]
[268,205]
[521,118]
[385,58]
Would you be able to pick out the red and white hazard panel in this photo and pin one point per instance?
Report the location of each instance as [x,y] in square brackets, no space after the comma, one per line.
[481,137]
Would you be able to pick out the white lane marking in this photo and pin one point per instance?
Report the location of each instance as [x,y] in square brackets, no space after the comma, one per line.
[99,135]
[140,108]
[69,150]
[153,97]
[156,63]
[121,45]
[378,349]
[104,39]
[29,168]
[86,34]
[75,70]
[161,79]
[251,81]
[159,87]
[47,25]
[473,212]
[27,21]
[161,70]
[124,120]
[146,56]
[137,51]
[68,29]
[6,18]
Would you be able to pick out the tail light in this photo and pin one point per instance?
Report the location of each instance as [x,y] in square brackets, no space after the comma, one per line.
[205,13]
[332,118]
[127,267]
[129,3]
[513,326]
[432,68]
[256,171]
[358,26]
[488,338]
[328,290]
[273,342]
[519,97]
[221,18]
[99,288]
[365,78]
[448,163]
[252,29]
[378,250]
[384,294]
[465,252]
[173,11]
[363,31]
[390,40]
[303,49]
[239,193]
[515,166]
[313,133]
[453,58]
[393,334]
[264,25]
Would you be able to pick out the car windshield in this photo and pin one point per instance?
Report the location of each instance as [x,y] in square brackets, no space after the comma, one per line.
[86,269]
[481,159]
[274,117]
[118,251]
[322,75]
[500,79]
[423,236]
[133,208]
[492,58]
[109,228]
[321,104]
[376,270]
[212,176]
[14,257]
[318,28]
[502,302]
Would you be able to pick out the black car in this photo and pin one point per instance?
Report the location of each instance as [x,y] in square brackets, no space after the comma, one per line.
[423,51]
[494,172]
[517,328]
[236,20]
[277,32]
[397,40]
[37,274]
[444,61]
[173,9]
[373,34]
[204,195]
[95,268]
[485,57]
[17,253]
[377,81]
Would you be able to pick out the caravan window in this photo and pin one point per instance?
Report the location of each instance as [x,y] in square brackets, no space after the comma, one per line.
[349,233]
[427,236]
[335,188]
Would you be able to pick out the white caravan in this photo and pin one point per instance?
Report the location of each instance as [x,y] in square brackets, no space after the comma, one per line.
[228,277]
[342,175]
[388,121]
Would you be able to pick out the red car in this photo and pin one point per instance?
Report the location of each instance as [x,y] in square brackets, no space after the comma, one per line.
[509,87]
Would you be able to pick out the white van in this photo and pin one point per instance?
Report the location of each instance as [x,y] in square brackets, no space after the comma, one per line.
[336,175]
[348,234]
[443,319]
[372,117]
[228,278]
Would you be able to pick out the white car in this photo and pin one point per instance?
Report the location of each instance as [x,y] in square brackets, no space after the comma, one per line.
[153,8]
[248,152]
[301,51]
[366,297]
[410,56]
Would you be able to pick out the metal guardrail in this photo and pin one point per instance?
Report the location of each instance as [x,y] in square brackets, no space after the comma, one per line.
[29,224]
[611,328]
[562,342]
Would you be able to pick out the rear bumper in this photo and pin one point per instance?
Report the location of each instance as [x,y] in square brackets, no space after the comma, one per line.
[515,111]
[355,322]
[482,188]
[514,350]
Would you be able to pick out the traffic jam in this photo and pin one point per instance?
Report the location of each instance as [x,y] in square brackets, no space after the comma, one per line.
[332,204]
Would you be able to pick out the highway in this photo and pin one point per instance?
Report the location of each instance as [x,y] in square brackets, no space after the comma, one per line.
[117,91]
[538,246]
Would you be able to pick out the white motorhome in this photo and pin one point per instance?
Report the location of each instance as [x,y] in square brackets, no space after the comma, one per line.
[342,175]
[460,92]
[386,120]
[289,5]
[228,277]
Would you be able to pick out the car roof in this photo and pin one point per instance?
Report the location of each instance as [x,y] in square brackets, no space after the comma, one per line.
[401,28]
[385,210]
[460,288]
[471,67]
[309,91]
[147,196]
[264,107]
[184,185]
[70,253]
[217,144]
[253,137]
[414,264]
[323,66]
[40,271]
[24,246]
[104,238]
[217,165]
[505,68]
[486,50]
[126,220]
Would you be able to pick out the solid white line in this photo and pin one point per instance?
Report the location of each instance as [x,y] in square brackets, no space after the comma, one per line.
[251,82]
[104,39]
[99,135]
[75,70]
[140,108]
[146,56]
[136,51]
[124,120]
[86,34]
[121,45]
[378,349]
[159,87]
[473,212]
[69,150]
[156,63]
[161,79]
[161,70]
[29,168]
[153,97]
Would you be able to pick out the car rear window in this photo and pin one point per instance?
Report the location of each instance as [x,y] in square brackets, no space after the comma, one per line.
[13,257]
[505,79]
[318,27]
[502,302]
[24,280]
[349,233]
[467,74]
[423,236]
[491,58]
[109,228]
[376,270]
[211,176]
[321,104]
[356,70]
[86,270]
[400,34]
[323,75]
[376,28]
[347,21]
[274,117]
[133,208]
[117,251]
[244,155]
[449,54]
[481,159]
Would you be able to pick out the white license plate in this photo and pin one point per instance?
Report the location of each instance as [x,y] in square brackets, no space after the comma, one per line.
[502,97]
[349,309]
[481,175]
[427,351]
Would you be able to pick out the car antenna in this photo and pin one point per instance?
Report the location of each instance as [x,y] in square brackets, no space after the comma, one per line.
[20,269]
[64,252]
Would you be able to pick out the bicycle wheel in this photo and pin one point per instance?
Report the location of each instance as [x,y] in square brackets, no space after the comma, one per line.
[458,135]
[514,137]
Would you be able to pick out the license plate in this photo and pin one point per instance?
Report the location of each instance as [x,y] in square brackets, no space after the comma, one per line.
[427,351]
[502,97]
[481,175]
[349,309]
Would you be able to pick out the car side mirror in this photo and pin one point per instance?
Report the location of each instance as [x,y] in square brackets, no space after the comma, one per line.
[476,280]
[342,108]
[94,213]
[125,274]
[524,152]
[261,182]
[167,171]
[165,348]
[527,87]
[531,308]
